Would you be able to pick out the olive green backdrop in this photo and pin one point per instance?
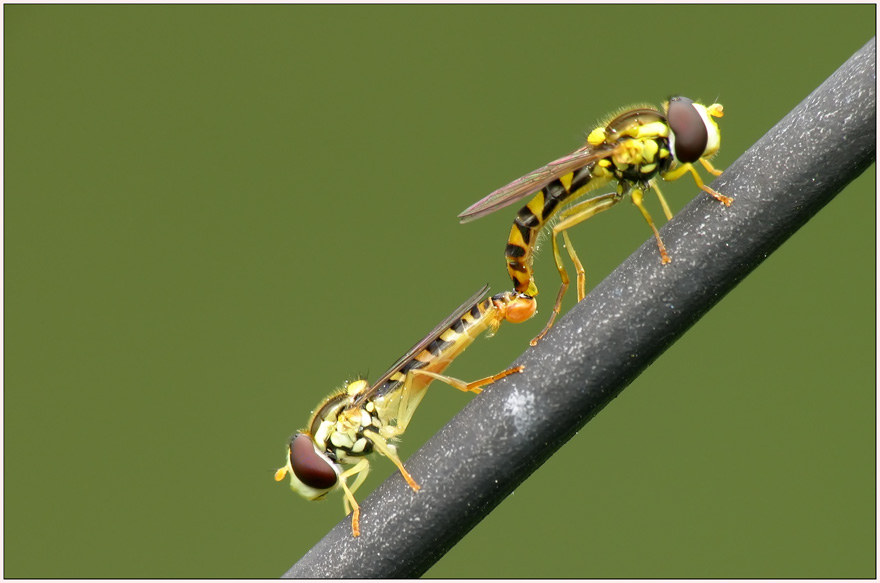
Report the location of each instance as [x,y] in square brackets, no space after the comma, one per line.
[215,215]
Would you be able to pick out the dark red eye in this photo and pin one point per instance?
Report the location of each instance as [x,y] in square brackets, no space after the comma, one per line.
[311,469]
[689,134]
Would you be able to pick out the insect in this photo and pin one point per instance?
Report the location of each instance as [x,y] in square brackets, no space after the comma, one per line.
[361,418]
[635,147]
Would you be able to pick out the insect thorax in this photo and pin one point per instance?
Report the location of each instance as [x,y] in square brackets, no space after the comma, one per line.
[340,432]
[639,160]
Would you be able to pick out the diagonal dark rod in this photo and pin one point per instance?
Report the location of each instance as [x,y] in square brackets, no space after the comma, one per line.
[609,338]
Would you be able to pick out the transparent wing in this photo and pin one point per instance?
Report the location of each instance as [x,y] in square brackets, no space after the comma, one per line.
[421,345]
[533,182]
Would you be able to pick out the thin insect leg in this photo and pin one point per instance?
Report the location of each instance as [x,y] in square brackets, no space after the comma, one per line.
[409,402]
[382,446]
[637,195]
[405,410]
[708,166]
[473,386]
[388,451]
[676,173]
[571,216]
[684,168]
[362,468]
[563,275]
[579,267]
[412,396]
[665,206]
[725,200]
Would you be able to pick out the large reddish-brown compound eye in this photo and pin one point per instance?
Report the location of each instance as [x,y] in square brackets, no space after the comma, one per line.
[688,133]
[311,469]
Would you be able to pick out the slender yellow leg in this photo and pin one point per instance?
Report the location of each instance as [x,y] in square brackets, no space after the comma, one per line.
[406,409]
[578,266]
[708,166]
[684,168]
[405,414]
[472,387]
[666,209]
[637,195]
[725,200]
[557,305]
[388,451]
[362,468]
[571,216]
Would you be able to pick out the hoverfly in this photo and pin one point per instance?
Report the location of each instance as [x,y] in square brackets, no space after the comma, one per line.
[361,418]
[634,148]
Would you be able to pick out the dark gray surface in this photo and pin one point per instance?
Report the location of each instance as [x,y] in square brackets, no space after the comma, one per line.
[605,341]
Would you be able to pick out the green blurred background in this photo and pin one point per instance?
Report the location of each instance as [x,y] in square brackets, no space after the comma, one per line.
[215,215]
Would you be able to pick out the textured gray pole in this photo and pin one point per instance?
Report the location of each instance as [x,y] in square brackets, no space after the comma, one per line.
[609,338]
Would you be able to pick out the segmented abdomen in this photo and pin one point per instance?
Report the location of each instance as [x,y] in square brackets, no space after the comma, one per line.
[535,215]
[484,315]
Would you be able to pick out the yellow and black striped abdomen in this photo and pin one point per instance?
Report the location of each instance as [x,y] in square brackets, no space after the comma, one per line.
[440,352]
[538,212]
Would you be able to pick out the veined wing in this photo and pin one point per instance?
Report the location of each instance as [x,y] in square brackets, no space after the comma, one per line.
[421,345]
[533,182]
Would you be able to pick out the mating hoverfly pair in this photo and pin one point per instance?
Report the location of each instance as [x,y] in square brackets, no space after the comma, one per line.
[633,149]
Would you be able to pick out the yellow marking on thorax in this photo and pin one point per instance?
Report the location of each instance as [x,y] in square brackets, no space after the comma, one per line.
[649,150]
[596,137]
[652,130]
